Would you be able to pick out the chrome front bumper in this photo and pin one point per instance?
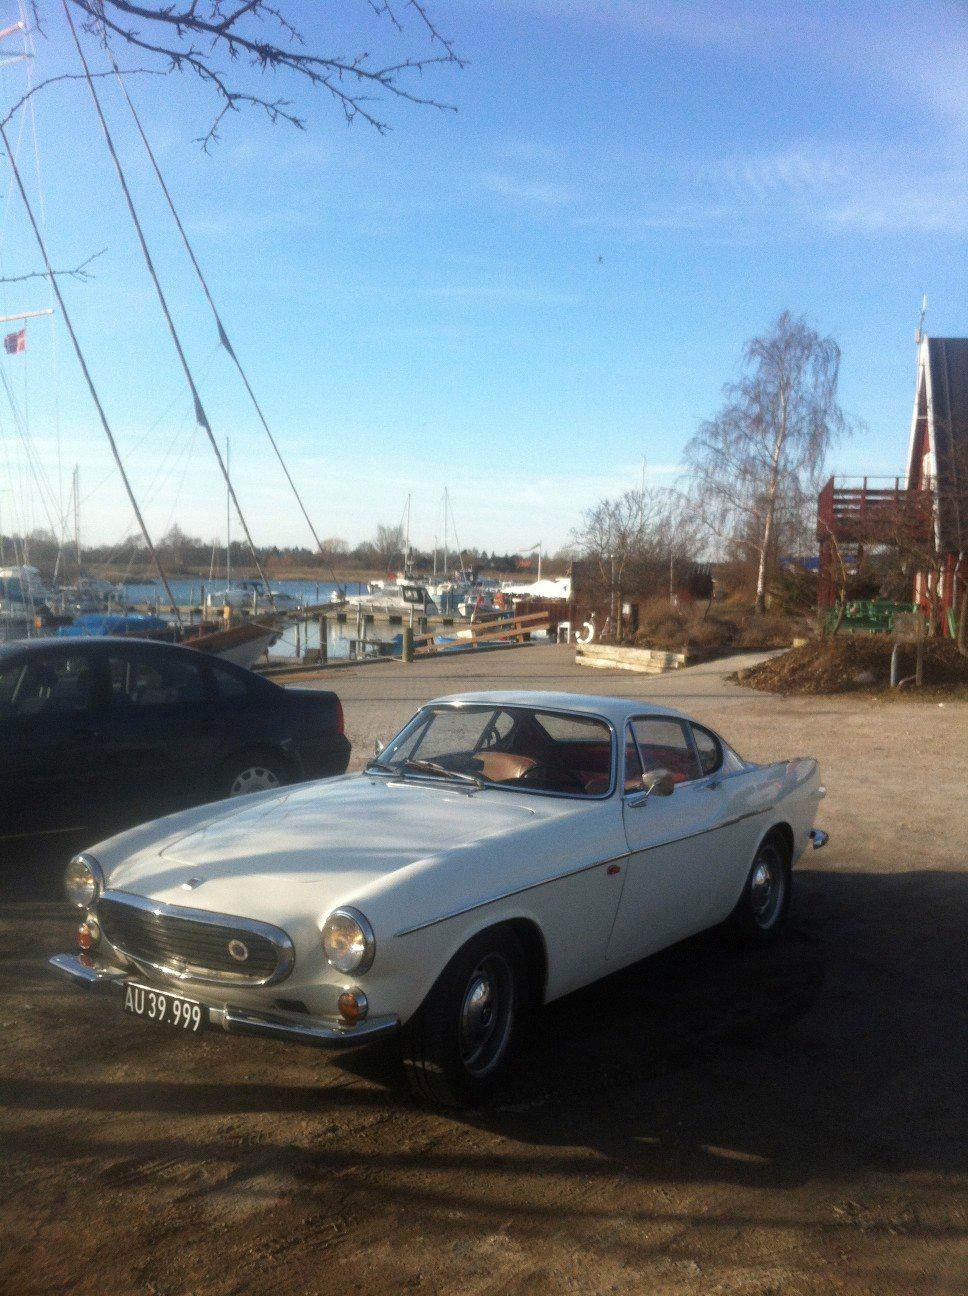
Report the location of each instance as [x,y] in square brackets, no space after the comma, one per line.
[240,1021]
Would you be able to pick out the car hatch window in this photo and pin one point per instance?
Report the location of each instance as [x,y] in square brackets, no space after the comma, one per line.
[664,744]
[152,681]
[55,684]
[709,749]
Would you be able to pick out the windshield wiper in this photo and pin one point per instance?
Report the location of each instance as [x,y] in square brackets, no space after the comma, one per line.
[431,767]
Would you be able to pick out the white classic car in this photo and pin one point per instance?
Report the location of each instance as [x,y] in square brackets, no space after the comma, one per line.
[503,850]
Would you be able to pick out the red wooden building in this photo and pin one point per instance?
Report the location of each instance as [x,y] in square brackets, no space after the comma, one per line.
[926,511]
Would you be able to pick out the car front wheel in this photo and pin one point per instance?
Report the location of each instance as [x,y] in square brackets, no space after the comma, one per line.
[459,1043]
[765,902]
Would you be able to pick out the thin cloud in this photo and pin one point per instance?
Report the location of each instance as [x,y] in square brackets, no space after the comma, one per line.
[530,193]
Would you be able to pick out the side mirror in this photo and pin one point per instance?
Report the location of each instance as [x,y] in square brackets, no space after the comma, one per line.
[378,747]
[658,782]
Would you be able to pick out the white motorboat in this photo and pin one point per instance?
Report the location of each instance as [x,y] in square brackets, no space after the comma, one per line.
[22,592]
[250,596]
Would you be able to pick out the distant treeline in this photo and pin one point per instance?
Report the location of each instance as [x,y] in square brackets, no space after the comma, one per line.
[186,555]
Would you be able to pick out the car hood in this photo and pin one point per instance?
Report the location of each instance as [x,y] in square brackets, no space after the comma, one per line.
[310,847]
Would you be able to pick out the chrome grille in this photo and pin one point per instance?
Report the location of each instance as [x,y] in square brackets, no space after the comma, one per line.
[193,944]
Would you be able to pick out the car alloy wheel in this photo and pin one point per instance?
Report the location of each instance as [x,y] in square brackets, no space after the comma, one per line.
[254,778]
[486,1015]
[767,887]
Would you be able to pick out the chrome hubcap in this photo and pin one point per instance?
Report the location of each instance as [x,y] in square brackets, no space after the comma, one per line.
[256,778]
[766,887]
[486,1015]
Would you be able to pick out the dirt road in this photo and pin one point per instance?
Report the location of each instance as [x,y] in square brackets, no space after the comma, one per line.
[790,1121]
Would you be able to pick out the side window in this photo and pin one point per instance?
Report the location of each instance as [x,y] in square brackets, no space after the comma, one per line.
[633,763]
[10,673]
[53,685]
[150,681]
[228,686]
[709,749]
[664,744]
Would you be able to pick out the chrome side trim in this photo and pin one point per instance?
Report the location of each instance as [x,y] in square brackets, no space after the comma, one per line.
[285,951]
[585,868]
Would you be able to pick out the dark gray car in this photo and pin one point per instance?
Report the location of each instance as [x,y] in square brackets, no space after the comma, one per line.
[100,734]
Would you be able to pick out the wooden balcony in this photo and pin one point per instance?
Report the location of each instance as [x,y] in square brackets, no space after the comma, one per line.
[872,510]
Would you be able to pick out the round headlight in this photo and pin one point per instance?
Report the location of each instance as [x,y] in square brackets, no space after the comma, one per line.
[83,881]
[348,941]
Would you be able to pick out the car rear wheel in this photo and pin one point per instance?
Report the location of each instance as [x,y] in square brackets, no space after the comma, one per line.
[255,772]
[763,907]
[458,1045]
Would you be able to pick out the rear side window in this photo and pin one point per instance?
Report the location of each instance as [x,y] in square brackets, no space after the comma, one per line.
[58,684]
[709,748]
[664,744]
[229,687]
[152,681]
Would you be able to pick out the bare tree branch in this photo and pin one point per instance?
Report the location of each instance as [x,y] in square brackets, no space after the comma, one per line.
[71,76]
[80,272]
[207,37]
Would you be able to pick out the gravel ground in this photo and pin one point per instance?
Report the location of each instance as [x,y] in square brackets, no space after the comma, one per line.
[709,1122]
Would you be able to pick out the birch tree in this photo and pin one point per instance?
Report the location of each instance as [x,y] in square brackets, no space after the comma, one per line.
[755,465]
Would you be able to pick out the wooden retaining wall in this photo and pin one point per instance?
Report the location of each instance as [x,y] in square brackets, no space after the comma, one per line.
[651,661]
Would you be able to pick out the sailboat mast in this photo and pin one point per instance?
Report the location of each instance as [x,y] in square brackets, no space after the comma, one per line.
[228,523]
[77,514]
[201,417]
[68,324]
[406,552]
[445,533]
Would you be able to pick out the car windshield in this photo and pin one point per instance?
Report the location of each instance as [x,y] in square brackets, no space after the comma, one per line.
[509,746]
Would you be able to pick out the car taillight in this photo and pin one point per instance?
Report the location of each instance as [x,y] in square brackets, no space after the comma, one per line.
[339,716]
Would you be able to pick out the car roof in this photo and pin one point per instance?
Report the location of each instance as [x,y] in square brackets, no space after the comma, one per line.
[615,709]
[71,643]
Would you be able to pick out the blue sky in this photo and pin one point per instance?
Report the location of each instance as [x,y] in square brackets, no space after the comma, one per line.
[518,300]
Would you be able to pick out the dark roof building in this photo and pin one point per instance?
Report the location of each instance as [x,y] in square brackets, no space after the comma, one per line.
[938,455]
[926,514]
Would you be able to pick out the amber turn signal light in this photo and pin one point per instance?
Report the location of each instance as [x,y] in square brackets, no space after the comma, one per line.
[88,936]
[352,1006]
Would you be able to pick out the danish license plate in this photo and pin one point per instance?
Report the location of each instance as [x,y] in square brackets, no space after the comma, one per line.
[160,1006]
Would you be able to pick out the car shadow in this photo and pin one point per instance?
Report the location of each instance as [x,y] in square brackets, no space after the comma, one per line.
[841,1044]
[840,1047]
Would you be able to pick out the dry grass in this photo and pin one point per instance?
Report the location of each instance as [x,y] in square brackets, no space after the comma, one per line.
[853,663]
[710,631]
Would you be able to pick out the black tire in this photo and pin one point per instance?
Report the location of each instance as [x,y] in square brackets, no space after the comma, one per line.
[252,771]
[457,1046]
[764,906]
